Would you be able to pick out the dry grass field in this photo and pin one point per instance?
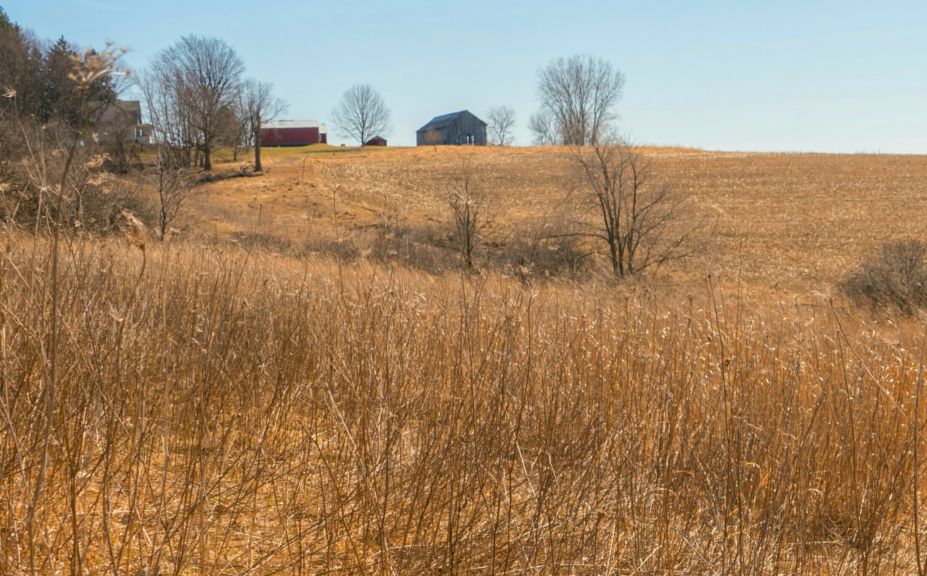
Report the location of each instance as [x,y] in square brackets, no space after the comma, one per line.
[285,388]
[793,222]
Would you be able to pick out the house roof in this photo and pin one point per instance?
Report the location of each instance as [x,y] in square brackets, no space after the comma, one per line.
[130,105]
[444,120]
[277,124]
[121,111]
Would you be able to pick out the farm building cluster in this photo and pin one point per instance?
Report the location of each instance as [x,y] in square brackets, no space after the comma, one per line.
[123,120]
[461,128]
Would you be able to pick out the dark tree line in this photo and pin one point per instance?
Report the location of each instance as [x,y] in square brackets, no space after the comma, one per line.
[58,118]
[41,79]
[47,113]
[195,95]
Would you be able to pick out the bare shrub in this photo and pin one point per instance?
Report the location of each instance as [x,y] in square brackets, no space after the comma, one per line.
[423,248]
[261,241]
[530,257]
[468,205]
[103,209]
[243,171]
[341,249]
[895,277]
[173,186]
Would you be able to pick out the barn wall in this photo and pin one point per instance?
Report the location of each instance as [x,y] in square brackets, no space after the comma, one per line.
[470,124]
[291,136]
[455,133]
[420,138]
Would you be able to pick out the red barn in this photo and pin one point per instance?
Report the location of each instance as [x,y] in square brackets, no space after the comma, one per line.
[294,133]
[376,141]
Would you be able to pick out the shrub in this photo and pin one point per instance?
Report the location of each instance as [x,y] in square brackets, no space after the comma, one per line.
[538,257]
[896,277]
[424,248]
[261,241]
[341,249]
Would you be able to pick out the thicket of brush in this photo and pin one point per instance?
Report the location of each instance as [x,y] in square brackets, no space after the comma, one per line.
[894,278]
[211,412]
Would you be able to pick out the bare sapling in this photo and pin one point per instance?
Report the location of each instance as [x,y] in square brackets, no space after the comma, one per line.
[468,208]
[173,184]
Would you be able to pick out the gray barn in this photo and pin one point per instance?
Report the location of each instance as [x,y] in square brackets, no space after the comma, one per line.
[455,129]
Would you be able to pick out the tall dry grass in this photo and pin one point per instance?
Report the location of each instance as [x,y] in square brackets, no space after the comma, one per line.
[220,412]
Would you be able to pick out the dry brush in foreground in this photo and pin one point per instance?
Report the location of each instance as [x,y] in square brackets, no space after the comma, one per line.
[218,413]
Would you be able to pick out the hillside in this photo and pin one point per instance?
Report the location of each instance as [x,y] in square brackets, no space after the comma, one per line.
[791,221]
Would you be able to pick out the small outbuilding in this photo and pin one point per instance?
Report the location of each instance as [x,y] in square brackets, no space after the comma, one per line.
[454,129]
[294,133]
[376,141]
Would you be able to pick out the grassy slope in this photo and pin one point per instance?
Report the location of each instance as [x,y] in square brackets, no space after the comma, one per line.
[792,221]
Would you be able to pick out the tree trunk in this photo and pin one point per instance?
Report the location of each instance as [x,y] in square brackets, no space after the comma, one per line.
[257,147]
[207,162]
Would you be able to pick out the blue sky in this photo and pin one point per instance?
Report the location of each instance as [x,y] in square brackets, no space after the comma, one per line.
[812,75]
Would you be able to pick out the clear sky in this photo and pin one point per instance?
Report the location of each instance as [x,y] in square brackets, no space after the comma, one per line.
[809,75]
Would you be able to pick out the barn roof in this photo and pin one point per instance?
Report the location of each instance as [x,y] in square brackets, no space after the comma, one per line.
[278,124]
[444,120]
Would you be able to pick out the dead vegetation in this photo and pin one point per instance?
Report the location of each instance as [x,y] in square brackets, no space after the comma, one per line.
[219,412]
[895,278]
[789,223]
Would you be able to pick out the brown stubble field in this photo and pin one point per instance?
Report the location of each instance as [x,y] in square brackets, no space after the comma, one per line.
[792,222]
[255,398]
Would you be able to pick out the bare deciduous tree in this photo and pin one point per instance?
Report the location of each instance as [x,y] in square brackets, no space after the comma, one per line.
[169,109]
[362,114]
[201,78]
[542,128]
[578,95]
[169,112]
[501,123]
[260,106]
[633,209]
[467,204]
